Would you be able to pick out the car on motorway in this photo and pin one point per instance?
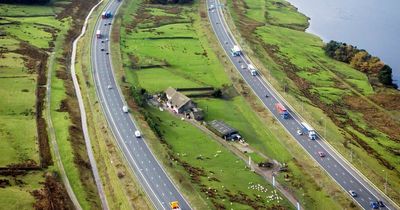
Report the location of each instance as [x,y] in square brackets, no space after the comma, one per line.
[299,132]
[109,87]
[102,49]
[125,109]
[174,205]
[352,193]
[137,134]
[374,205]
[380,203]
[321,154]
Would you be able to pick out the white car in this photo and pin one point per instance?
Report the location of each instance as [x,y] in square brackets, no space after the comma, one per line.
[299,132]
[125,109]
[109,87]
[137,134]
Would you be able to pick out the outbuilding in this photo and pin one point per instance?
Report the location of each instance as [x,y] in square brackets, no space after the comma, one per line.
[223,130]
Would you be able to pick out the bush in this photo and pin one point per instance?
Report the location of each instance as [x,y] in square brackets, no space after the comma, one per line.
[360,60]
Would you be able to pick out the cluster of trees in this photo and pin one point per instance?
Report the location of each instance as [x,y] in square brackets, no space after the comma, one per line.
[360,60]
[170,1]
[41,2]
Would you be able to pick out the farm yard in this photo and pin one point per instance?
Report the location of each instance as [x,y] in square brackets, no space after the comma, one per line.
[167,46]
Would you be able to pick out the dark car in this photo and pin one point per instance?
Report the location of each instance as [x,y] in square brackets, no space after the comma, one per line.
[102,49]
[374,205]
[321,154]
[380,203]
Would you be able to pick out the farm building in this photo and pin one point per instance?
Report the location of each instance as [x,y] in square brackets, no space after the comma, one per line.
[223,130]
[196,113]
[178,101]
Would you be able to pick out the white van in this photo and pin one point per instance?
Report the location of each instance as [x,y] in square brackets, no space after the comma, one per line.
[125,109]
[137,134]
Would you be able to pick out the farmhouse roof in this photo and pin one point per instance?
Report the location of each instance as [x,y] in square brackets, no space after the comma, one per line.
[176,98]
[170,91]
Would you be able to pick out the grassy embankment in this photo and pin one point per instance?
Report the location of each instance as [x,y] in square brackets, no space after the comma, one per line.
[359,119]
[120,185]
[28,33]
[162,47]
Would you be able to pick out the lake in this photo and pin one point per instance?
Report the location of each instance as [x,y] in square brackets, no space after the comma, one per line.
[373,25]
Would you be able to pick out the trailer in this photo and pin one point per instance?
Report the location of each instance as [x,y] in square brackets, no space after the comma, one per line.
[236,51]
[309,130]
[282,110]
[98,34]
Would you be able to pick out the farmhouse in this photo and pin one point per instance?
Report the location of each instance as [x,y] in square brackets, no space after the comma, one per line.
[178,101]
[223,130]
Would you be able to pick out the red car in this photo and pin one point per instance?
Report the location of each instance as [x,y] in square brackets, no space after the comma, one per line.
[321,154]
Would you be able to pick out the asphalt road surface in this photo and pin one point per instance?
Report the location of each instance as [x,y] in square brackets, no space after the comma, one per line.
[334,165]
[149,172]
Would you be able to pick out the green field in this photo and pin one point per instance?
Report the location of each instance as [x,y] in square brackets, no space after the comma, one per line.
[221,170]
[18,85]
[177,53]
[296,59]
[40,31]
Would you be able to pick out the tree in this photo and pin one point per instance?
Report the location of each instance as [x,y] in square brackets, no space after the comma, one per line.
[385,76]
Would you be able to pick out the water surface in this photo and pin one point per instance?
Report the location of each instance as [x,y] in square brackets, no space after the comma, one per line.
[373,25]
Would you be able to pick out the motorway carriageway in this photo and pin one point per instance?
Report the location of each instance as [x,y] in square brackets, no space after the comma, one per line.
[156,183]
[335,166]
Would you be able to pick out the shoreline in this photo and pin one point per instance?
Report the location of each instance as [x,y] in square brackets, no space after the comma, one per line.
[373,48]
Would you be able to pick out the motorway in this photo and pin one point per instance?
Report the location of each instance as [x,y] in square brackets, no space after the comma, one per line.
[335,165]
[158,186]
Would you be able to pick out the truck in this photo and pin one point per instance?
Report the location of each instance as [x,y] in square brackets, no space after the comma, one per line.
[309,131]
[174,205]
[282,110]
[236,51]
[98,34]
[252,70]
